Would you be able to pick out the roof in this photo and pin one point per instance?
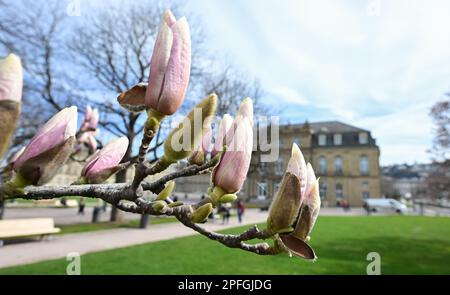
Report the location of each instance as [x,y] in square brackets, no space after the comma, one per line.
[331,127]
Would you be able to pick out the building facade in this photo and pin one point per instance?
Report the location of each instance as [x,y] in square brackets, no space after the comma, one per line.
[346,158]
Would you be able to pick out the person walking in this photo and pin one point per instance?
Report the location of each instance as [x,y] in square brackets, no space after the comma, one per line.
[81,206]
[240,210]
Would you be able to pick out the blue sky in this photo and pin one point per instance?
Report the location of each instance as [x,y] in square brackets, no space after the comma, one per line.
[379,65]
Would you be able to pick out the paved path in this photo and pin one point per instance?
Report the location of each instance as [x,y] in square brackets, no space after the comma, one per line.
[61,245]
[62,215]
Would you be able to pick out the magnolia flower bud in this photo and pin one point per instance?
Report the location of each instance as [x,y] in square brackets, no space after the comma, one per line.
[310,208]
[231,172]
[105,162]
[187,135]
[11,81]
[170,65]
[287,202]
[198,156]
[48,149]
[200,214]
[165,193]
[224,127]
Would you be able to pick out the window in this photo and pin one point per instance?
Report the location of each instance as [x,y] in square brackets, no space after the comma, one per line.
[323,190]
[365,190]
[363,138]
[296,140]
[276,186]
[322,165]
[262,189]
[364,165]
[337,139]
[322,139]
[338,165]
[339,194]
[279,167]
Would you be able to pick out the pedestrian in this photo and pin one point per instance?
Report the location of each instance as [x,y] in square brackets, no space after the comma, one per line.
[226,213]
[240,209]
[104,206]
[81,206]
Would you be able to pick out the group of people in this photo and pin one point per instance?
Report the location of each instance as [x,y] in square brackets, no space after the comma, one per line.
[224,210]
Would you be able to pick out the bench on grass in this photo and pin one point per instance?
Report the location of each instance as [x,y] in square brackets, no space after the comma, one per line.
[22,228]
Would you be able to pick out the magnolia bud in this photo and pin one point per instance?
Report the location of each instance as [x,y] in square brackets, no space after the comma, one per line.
[49,148]
[170,65]
[227,198]
[201,213]
[11,81]
[159,206]
[198,156]
[310,208]
[105,162]
[286,204]
[224,127]
[231,172]
[187,135]
[167,191]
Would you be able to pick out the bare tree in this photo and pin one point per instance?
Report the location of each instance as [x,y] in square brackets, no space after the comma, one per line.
[439,180]
[34,31]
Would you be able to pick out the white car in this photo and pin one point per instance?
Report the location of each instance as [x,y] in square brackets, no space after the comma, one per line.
[385,205]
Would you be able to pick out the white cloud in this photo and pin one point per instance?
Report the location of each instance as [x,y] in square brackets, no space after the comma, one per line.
[380,71]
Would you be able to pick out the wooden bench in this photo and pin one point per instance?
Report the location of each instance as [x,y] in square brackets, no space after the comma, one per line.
[21,228]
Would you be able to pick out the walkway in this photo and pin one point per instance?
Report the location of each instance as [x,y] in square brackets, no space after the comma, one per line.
[61,245]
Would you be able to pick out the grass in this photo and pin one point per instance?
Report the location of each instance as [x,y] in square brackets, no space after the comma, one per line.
[407,245]
[88,227]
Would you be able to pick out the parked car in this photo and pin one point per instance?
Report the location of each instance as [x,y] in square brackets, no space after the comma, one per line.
[384,205]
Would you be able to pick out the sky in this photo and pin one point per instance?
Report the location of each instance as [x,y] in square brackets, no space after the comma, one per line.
[375,64]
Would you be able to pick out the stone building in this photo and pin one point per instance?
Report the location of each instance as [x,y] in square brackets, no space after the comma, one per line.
[346,158]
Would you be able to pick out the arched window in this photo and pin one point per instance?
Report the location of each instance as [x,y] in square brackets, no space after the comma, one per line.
[322,165]
[338,165]
[364,165]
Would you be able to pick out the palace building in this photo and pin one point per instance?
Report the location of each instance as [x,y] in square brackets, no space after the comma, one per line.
[345,157]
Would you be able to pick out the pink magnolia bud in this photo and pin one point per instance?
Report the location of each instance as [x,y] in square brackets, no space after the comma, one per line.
[224,127]
[231,172]
[11,78]
[104,163]
[88,113]
[49,148]
[93,120]
[245,112]
[170,66]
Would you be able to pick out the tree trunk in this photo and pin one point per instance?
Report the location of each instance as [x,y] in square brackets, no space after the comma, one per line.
[2,209]
[144,221]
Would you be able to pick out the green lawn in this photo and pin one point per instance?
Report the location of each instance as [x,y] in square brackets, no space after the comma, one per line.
[87,227]
[407,245]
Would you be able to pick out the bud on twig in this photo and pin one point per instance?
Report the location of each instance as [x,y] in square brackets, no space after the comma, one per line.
[200,214]
[167,191]
[105,162]
[229,175]
[182,140]
[170,65]
[48,149]
[11,81]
